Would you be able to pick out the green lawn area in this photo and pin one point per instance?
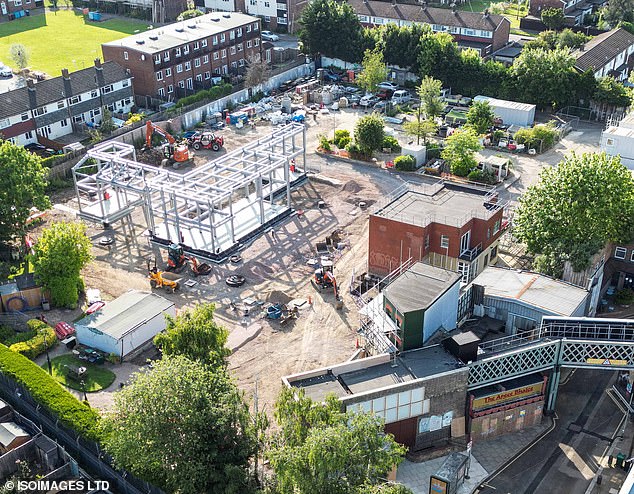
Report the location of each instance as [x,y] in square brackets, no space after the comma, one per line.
[97,376]
[512,10]
[62,39]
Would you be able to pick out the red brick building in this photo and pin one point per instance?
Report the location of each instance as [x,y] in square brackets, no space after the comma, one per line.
[456,228]
[179,59]
[485,33]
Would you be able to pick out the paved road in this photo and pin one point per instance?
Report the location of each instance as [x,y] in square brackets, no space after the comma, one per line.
[565,460]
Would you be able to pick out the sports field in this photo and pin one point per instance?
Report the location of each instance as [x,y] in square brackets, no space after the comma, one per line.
[62,39]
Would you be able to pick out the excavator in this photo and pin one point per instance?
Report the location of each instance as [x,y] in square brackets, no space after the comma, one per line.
[175,151]
[324,279]
[176,259]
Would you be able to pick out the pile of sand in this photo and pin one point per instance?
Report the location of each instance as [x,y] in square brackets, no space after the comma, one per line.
[278,297]
[352,186]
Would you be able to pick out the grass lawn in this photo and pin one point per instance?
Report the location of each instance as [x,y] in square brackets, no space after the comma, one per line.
[62,39]
[97,376]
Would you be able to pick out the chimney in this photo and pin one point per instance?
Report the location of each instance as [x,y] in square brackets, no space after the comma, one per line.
[65,74]
[486,13]
[30,84]
[98,64]
[393,3]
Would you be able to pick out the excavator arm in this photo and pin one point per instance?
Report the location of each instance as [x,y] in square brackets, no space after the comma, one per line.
[151,129]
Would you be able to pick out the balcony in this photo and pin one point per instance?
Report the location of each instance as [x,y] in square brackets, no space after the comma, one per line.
[471,254]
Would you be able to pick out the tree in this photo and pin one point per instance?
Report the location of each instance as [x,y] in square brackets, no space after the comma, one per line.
[374,71]
[194,334]
[480,117]
[59,255]
[439,57]
[321,449]
[183,427]
[576,208]
[107,124]
[545,78]
[189,14]
[54,5]
[460,149]
[429,94]
[612,93]
[369,133]
[617,11]
[330,28]
[420,128]
[22,186]
[401,44]
[20,56]
[257,72]
[553,18]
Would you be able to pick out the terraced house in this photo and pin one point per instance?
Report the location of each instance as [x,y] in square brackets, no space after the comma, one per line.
[55,107]
[481,31]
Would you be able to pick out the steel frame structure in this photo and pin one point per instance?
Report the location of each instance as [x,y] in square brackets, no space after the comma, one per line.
[209,210]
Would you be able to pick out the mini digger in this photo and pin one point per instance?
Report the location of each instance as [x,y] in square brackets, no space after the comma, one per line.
[160,279]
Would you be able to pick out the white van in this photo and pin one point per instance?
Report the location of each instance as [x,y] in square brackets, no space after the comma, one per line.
[400,96]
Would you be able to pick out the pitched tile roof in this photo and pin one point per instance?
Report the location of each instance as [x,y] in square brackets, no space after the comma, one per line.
[16,102]
[429,15]
[602,48]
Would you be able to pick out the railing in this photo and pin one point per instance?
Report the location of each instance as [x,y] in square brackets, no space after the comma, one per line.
[509,342]
[471,254]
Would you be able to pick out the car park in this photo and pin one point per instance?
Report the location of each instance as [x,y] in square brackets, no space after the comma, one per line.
[401,96]
[368,100]
[387,85]
[269,36]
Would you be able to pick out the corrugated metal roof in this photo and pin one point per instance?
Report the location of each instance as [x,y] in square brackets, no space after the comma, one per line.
[502,103]
[125,313]
[9,431]
[419,286]
[554,296]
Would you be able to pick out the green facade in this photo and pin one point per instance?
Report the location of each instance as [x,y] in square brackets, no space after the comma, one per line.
[409,323]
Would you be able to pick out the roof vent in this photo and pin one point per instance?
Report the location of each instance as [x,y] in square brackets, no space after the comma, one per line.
[180,29]
[140,42]
[226,16]
[215,19]
[154,38]
[191,26]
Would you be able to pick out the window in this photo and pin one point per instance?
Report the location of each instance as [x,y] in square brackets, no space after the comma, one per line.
[206,59]
[620,253]
[234,65]
[126,102]
[125,55]
[166,56]
[240,46]
[60,105]
[465,241]
[463,269]
[222,37]
[196,45]
[125,83]
[217,70]
[178,52]
[241,62]
[197,62]
[181,84]
[96,111]
[63,123]
[199,77]
[78,118]
[494,252]
[190,83]
[267,4]
[281,20]
[207,75]
[179,68]
[224,53]
[161,91]
[185,49]
[39,111]
[239,32]
[214,40]
[248,28]
[18,3]
[170,89]
[204,43]
[232,34]
[159,75]
[24,116]
[74,100]
[444,241]
[255,26]
[496,227]
[632,256]
[157,59]
[216,55]
[232,50]
[93,93]
[107,89]
[267,18]
[249,44]
[188,66]
[257,42]
[28,135]
[168,71]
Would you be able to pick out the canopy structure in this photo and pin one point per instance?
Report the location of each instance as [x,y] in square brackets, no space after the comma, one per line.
[210,210]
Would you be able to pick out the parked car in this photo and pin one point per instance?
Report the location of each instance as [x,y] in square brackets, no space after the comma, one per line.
[387,85]
[381,105]
[5,71]
[368,100]
[269,36]
[401,96]
[384,93]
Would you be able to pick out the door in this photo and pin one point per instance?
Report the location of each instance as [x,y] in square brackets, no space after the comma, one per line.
[465,240]
[3,5]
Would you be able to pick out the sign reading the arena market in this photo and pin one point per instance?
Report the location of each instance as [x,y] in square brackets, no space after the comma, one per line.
[507,396]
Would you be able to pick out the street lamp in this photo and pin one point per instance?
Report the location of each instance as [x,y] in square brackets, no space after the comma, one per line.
[48,357]
[83,389]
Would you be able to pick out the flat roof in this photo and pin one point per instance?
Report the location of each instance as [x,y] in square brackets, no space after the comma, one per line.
[125,313]
[502,103]
[9,431]
[557,297]
[419,287]
[442,204]
[380,372]
[620,131]
[179,33]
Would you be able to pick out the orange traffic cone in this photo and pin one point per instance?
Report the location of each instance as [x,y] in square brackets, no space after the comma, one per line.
[310,300]
[357,344]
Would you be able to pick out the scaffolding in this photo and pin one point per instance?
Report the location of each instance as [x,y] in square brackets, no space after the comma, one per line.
[212,210]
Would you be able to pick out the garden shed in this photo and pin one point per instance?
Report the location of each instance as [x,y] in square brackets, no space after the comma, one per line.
[125,324]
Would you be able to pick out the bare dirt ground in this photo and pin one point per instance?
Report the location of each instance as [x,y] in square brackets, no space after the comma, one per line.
[275,268]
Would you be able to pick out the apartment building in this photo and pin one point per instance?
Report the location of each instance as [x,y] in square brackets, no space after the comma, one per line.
[179,59]
[453,227]
[483,32]
[59,106]
[281,15]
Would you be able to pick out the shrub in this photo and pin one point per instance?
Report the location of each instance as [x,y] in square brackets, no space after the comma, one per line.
[210,94]
[36,345]
[342,135]
[134,118]
[324,143]
[392,143]
[624,297]
[18,337]
[482,176]
[6,333]
[50,394]
[544,134]
[64,291]
[405,163]
[433,151]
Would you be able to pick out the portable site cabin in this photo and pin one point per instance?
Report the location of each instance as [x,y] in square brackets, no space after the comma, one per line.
[125,324]
[511,112]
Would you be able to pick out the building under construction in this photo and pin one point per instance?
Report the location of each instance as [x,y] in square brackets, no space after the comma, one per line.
[212,210]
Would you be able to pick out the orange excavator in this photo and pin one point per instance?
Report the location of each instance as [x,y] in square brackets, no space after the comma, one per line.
[325,279]
[177,151]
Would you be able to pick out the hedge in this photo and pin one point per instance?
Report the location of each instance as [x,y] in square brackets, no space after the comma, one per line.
[405,163]
[213,93]
[50,394]
[36,346]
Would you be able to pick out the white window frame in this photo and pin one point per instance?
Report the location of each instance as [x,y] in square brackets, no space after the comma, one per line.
[125,55]
[188,65]
[179,68]
[159,75]
[444,242]
[206,59]
[197,62]
[170,89]
[620,253]
[168,71]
